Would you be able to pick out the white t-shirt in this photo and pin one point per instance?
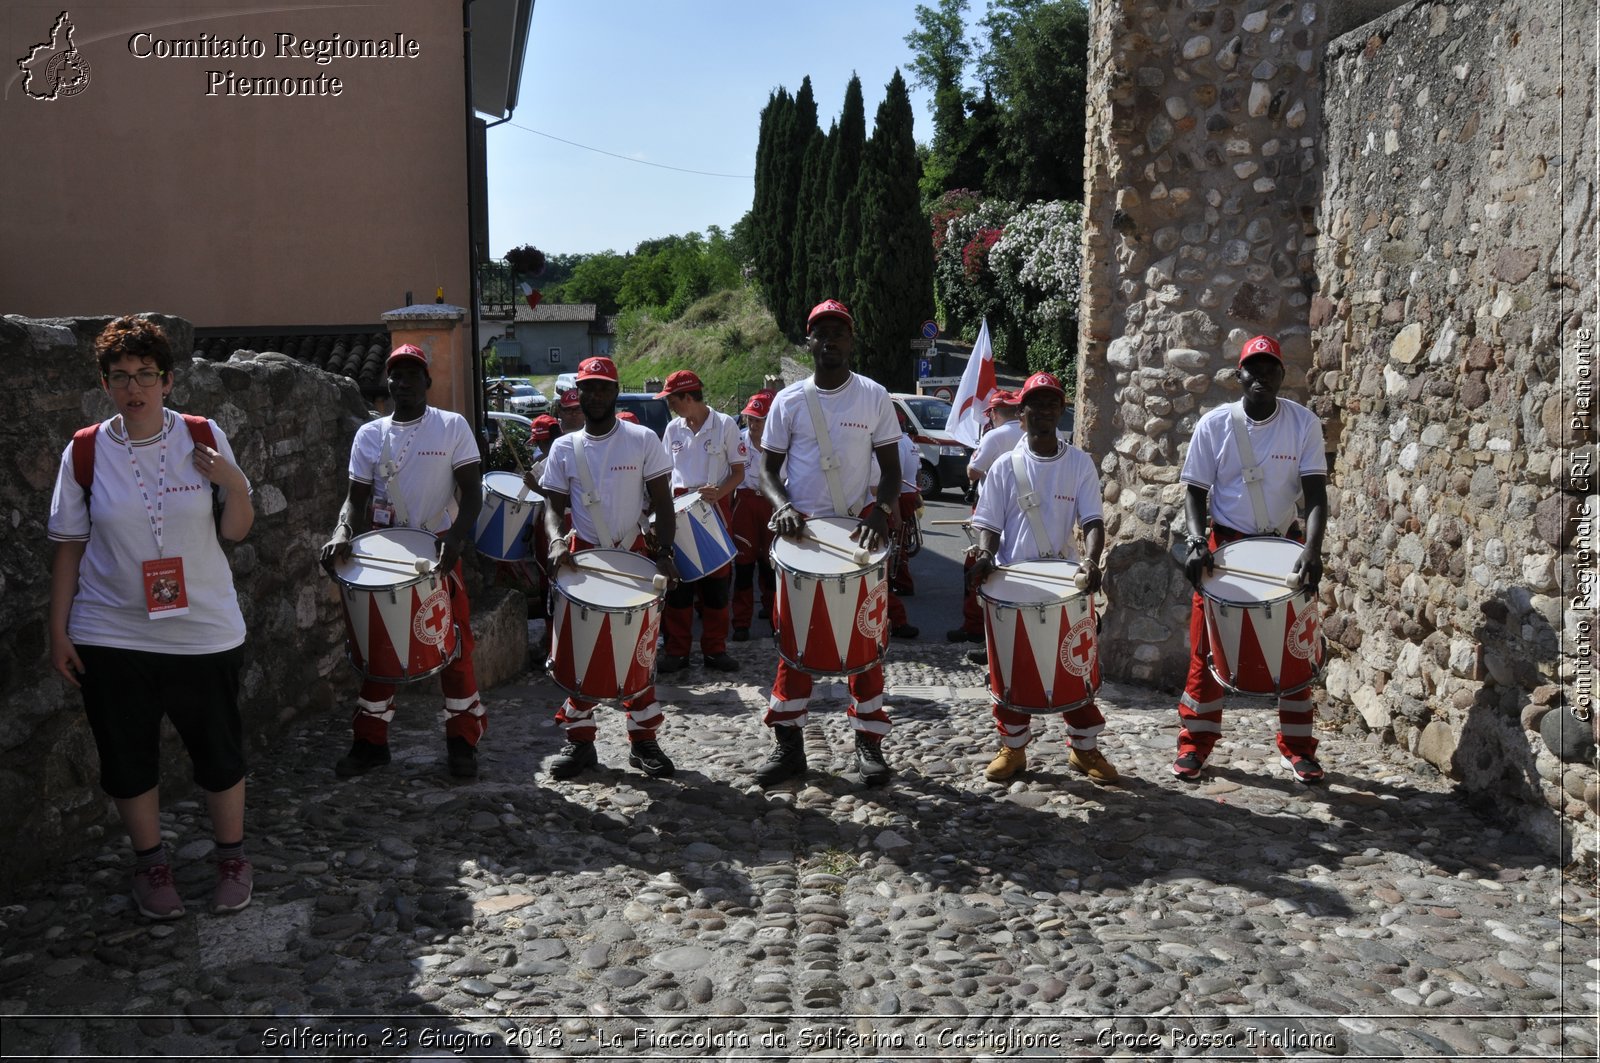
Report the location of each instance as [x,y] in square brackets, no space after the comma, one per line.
[1069,494]
[910,462]
[752,465]
[425,454]
[995,442]
[1287,445]
[859,415]
[704,458]
[622,461]
[109,608]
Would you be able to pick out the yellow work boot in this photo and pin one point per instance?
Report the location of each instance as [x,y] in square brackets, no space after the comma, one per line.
[1006,763]
[1092,763]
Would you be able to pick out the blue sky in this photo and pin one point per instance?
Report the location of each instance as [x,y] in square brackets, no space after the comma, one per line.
[675,82]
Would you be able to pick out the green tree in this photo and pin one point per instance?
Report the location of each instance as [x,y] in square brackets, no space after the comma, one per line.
[844,196]
[771,156]
[894,263]
[941,55]
[810,214]
[1036,64]
[598,280]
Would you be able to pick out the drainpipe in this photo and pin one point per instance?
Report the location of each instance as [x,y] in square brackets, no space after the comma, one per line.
[474,300]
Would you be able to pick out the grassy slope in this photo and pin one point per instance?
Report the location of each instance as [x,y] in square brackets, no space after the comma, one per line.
[728,338]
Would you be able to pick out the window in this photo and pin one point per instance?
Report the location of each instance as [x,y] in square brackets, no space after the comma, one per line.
[555,356]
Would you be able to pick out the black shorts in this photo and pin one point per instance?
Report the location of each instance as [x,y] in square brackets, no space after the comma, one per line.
[127,692]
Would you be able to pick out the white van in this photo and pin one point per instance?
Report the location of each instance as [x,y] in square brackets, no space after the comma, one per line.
[944,458]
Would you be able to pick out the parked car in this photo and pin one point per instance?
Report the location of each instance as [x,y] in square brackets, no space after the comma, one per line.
[944,458]
[565,383]
[527,400]
[651,411]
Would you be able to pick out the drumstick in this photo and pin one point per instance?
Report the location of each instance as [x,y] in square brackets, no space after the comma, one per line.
[420,564]
[858,555]
[1079,579]
[947,522]
[1292,580]
[657,581]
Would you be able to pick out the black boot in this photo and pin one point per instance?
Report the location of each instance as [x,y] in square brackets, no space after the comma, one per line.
[787,759]
[647,755]
[462,757]
[869,761]
[362,758]
[574,759]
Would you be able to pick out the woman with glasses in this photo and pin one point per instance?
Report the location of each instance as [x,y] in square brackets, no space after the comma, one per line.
[143,615]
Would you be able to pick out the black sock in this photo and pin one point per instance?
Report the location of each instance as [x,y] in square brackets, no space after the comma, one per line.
[148,858]
[230,851]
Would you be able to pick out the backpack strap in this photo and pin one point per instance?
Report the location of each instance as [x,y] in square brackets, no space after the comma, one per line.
[200,429]
[83,456]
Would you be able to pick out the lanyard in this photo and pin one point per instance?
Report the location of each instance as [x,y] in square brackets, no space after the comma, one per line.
[155,511]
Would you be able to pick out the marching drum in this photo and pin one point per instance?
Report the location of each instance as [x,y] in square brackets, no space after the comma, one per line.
[396,606]
[1266,637]
[832,609]
[1043,651]
[508,508]
[604,624]
[701,543]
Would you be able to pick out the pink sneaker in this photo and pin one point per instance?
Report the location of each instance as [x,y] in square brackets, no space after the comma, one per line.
[235,880]
[155,893]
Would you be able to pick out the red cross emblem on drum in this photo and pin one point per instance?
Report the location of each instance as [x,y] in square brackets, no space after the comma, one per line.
[1301,641]
[644,653]
[873,613]
[1077,649]
[432,619]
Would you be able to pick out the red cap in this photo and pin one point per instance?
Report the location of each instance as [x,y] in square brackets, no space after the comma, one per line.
[597,369]
[760,405]
[1001,397]
[830,308]
[569,399]
[545,428]
[1041,382]
[1260,345]
[407,350]
[629,416]
[682,380]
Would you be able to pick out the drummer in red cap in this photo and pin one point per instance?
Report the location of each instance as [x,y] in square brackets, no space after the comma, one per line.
[1003,409]
[751,513]
[708,458]
[416,468]
[1249,465]
[606,485]
[857,424]
[569,412]
[1046,472]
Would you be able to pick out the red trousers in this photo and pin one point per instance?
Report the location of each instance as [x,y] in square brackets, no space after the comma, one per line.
[791,694]
[463,712]
[751,512]
[1200,706]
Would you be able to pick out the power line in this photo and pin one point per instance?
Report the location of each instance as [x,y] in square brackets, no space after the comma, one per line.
[624,158]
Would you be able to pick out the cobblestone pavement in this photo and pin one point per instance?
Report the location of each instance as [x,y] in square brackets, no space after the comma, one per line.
[944,917]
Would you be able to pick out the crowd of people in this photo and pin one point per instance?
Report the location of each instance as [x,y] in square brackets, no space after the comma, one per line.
[145,621]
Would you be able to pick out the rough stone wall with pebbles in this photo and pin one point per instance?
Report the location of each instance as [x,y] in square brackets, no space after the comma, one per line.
[1457,267]
[290,427]
[1204,177]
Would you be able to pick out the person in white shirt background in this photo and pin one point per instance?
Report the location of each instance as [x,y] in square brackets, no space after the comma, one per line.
[1063,479]
[135,656]
[707,457]
[1287,439]
[1004,431]
[861,425]
[751,512]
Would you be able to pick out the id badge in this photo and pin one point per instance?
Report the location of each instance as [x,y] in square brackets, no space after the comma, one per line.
[165,593]
[382,514]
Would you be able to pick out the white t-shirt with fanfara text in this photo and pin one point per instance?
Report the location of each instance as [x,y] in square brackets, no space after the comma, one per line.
[1069,497]
[114,521]
[622,461]
[705,457]
[1287,446]
[859,416]
[425,453]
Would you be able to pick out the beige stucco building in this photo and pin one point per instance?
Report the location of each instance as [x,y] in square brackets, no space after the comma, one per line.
[248,167]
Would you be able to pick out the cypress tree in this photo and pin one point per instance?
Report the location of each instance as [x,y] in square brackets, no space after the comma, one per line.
[894,264]
[810,206]
[820,265]
[764,211]
[844,200]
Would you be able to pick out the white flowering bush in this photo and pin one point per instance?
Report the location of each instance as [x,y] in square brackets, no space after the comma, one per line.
[1038,268]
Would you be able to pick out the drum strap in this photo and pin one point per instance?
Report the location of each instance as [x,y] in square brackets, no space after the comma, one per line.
[830,463]
[1253,473]
[1028,499]
[390,471]
[590,500]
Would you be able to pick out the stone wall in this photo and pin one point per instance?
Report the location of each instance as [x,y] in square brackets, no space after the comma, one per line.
[290,427]
[1203,182]
[1456,266]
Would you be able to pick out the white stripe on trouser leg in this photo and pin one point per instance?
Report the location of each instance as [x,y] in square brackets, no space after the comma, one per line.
[793,712]
[1197,706]
[871,727]
[639,719]
[383,710]
[456,706]
[1084,737]
[1294,730]
[1189,723]
[1015,735]
[576,717]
